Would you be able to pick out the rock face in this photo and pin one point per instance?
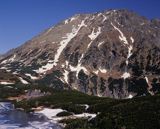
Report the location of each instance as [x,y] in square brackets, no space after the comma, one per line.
[115,53]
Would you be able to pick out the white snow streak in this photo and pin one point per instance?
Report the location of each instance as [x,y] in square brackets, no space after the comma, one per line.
[94,35]
[87,106]
[7,83]
[100,43]
[68,38]
[100,70]
[132,39]
[32,77]
[129,53]
[121,37]
[12,58]
[85,115]
[9,60]
[67,63]
[124,39]
[45,68]
[4,68]
[63,44]
[23,81]
[50,113]
[72,19]
[15,73]
[130,48]
[65,74]
[4,62]
[147,80]
[104,18]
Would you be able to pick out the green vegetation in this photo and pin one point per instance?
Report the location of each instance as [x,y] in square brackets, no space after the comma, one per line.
[137,113]
[67,100]
[78,124]
[64,113]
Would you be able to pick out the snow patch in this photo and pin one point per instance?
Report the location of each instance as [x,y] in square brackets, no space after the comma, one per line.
[93,17]
[99,14]
[50,113]
[78,68]
[32,77]
[65,74]
[72,19]
[3,68]
[23,81]
[96,72]
[132,39]
[45,68]
[66,21]
[147,80]
[4,62]
[12,58]
[67,63]
[130,96]
[86,106]
[9,60]
[86,115]
[126,75]
[104,18]
[7,83]
[103,70]
[15,73]
[8,70]
[100,70]
[129,53]
[63,65]
[94,35]
[142,24]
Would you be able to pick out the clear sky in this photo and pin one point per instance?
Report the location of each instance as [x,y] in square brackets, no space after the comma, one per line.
[20,20]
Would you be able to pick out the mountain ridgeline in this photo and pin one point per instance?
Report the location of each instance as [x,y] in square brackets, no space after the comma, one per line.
[114,53]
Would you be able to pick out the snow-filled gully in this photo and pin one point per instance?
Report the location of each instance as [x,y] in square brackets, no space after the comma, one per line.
[79,67]
[63,44]
[123,39]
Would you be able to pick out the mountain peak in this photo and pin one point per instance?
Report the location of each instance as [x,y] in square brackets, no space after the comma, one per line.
[112,53]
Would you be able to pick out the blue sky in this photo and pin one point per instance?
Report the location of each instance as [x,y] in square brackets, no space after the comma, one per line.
[20,20]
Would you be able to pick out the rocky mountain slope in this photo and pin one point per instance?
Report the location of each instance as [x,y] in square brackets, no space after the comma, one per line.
[114,53]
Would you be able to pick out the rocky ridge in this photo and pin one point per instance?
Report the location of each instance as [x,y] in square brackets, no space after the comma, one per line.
[114,53]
